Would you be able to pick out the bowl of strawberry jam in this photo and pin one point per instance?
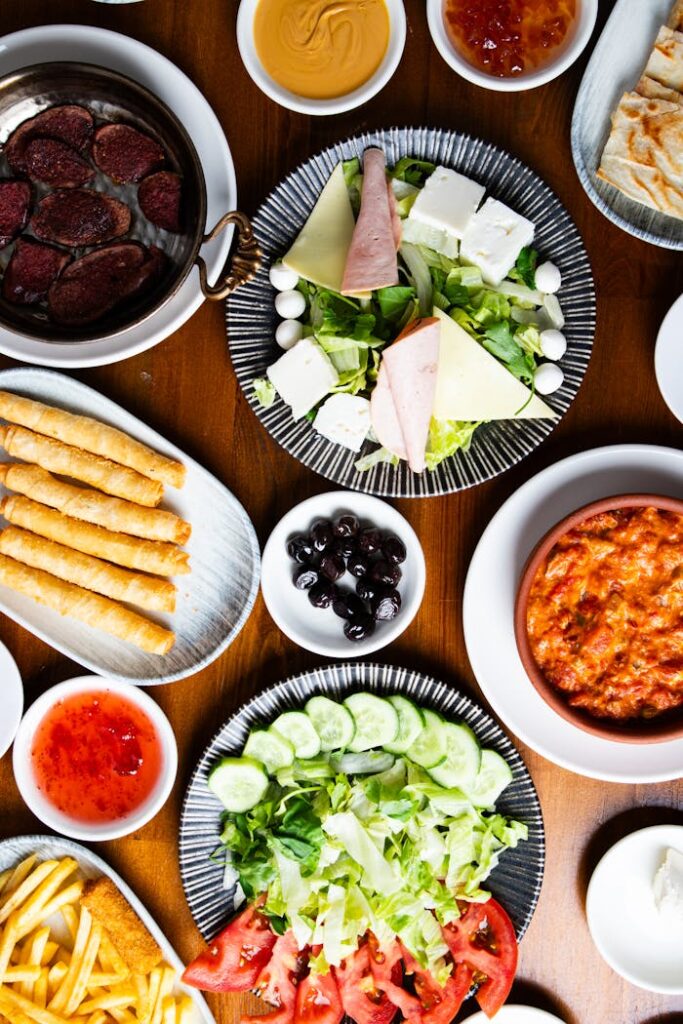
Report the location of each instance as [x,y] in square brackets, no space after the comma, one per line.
[511,45]
[95,759]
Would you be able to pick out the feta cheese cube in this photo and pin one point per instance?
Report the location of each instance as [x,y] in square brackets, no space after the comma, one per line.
[303,376]
[447,201]
[344,419]
[494,239]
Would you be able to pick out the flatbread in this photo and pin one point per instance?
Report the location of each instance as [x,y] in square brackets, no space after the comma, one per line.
[666,60]
[651,89]
[676,16]
[646,185]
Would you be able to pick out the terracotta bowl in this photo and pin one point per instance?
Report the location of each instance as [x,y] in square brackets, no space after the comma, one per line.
[669,725]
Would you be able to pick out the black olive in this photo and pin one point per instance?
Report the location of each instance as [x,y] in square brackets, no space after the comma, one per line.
[346,605]
[393,549]
[346,546]
[358,565]
[384,572]
[305,577]
[300,549]
[369,541]
[360,627]
[332,566]
[320,534]
[366,590]
[346,526]
[385,605]
[322,594]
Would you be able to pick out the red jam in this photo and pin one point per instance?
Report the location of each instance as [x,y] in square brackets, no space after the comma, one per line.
[505,38]
[96,757]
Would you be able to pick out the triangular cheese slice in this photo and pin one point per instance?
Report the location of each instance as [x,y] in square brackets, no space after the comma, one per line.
[319,253]
[472,385]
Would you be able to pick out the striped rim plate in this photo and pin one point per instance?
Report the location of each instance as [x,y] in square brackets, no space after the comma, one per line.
[515,882]
[251,317]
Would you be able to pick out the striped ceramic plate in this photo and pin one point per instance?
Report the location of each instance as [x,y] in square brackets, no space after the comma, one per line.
[516,882]
[251,318]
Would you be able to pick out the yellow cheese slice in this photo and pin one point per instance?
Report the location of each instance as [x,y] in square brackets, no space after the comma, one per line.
[319,253]
[472,385]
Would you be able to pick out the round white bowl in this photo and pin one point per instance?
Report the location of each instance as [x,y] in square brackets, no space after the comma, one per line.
[566,54]
[303,104]
[44,810]
[623,919]
[11,699]
[319,629]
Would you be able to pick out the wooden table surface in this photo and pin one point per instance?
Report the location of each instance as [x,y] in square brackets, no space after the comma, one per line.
[186,389]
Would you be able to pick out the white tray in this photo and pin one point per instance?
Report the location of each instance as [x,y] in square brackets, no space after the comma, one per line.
[214,600]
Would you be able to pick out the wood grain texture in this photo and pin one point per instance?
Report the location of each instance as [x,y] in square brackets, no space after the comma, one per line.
[185,388]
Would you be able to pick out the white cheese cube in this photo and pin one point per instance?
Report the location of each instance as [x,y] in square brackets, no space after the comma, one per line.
[494,239]
[344,419]
[303,376]
[447,201]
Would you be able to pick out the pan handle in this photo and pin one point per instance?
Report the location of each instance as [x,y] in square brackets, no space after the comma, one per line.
[241,266]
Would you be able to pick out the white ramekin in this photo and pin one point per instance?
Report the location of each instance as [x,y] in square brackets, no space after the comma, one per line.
[302,104]
[44,810]
[566,55]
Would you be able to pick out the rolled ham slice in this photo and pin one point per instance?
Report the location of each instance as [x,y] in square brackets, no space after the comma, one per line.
[384,417]
[371,261]
[411,365]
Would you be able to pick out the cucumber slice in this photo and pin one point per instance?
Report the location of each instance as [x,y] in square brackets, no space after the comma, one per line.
[368,762]
[239,783]
[410,724]
[297,728]
[429,749]
[493,777]
[376,721]
[270,749]
[332,722]
[463,757]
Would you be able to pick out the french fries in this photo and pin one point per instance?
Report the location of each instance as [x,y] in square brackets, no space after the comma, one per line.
[76,952]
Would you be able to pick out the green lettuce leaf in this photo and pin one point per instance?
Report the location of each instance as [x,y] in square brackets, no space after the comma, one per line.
[446,437]
[264,392]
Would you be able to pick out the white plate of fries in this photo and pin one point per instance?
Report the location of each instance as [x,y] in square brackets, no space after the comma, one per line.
[77,944]
[89,563]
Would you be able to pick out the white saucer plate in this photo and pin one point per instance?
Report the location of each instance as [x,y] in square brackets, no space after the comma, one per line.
[517,1015]
[11,699]
[631,933]
[669,359]
[143,64]
[319,629]
[489,601]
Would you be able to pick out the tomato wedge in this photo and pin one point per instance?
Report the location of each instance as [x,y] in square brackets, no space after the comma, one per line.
[439,1005]
[236,957]
[484,937]
[361,999]
[387,971]
[318,1000]
[278,980]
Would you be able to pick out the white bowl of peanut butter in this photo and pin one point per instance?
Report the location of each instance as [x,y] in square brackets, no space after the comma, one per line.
[321,56]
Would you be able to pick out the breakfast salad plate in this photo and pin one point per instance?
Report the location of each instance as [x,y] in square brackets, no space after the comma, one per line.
[490,599]
[52,872]
[202,539]
[475,269]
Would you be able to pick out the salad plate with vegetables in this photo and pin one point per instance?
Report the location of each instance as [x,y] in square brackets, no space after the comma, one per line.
[424,315]
[374,843]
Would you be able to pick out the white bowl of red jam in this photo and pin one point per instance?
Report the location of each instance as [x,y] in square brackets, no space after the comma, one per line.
[321,57]
[95,759]
[511,45]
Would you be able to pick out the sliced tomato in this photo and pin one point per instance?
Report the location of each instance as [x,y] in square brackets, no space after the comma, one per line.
[318,1000]
[361,999]
[278,980]
[438,1005]
[236,957]
[387,971]
[484,937]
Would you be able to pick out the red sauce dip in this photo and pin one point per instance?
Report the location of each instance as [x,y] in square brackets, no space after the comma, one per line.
[505,38]
[96,757]
[605,614]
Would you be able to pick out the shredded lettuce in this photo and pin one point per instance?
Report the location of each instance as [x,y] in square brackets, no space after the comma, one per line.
[264,392]
[446,437]
[419,275]
[373,459]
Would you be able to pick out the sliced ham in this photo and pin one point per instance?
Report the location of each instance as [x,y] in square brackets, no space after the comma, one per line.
[371,262]
[384,417]
[411,366]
